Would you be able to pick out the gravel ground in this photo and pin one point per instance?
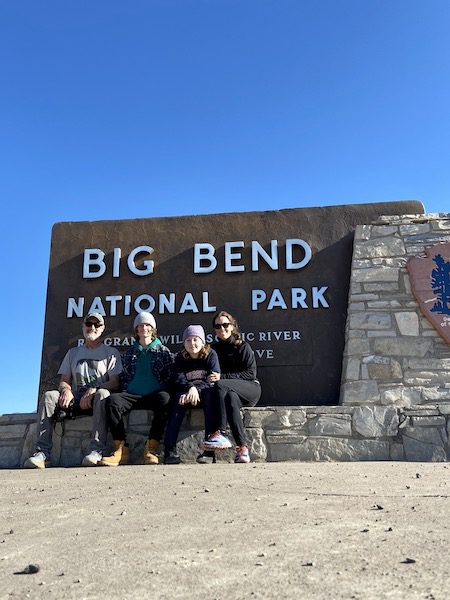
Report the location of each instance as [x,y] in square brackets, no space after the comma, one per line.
[225,531]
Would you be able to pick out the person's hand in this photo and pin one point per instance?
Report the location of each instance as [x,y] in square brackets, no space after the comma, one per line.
[193,397]
[213,377]
[87,399]
[65,397]
[182,399]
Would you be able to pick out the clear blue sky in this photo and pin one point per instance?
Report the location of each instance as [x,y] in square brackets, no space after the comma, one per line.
[113,109]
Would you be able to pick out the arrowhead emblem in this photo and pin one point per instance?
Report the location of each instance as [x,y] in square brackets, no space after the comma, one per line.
[430,283]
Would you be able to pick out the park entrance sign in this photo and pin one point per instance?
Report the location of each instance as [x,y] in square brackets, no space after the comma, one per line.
[284,275]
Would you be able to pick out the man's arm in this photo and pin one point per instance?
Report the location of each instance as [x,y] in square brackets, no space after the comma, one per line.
[112,385]
[65,391]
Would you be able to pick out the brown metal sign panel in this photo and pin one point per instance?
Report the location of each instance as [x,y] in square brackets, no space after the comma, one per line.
[284,274]
[430,283]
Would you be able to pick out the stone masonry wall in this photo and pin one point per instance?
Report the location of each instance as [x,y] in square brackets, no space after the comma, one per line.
[393,356]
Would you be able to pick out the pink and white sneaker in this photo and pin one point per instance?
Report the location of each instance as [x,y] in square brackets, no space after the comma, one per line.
[242,455]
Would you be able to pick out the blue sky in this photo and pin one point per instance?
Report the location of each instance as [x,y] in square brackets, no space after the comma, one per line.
[113,110]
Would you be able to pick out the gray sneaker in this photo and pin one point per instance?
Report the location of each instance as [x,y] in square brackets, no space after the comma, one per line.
[92,459]
[37,461]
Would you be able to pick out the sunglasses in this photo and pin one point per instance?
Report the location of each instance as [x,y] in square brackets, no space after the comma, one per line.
[222,325]
[91,324]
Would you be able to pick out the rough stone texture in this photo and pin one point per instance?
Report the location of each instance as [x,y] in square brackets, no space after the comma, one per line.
[407,346]
[407,323]
[327,448]
[377,421]
[335,425]
[388,246]
[358,392]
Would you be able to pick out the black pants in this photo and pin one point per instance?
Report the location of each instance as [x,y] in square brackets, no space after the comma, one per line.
[120,404]
[210,404]
[233,395]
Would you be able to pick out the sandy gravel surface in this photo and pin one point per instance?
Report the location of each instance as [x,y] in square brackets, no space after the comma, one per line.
[268,530]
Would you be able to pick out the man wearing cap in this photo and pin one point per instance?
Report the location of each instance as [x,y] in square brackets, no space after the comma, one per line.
[147,371]
[88,374]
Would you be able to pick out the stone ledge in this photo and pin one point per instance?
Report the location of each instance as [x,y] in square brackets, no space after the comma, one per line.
[276,433]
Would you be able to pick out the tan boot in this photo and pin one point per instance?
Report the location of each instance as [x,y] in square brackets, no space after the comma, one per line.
[120,456]
[150,452]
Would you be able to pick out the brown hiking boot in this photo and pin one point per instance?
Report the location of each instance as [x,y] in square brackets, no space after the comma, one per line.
[120,456]
[150,452]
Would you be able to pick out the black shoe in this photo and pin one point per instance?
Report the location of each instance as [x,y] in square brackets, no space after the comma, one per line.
[207,458]
[172,458]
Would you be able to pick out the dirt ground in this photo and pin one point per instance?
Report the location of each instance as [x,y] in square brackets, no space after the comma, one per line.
[225,531]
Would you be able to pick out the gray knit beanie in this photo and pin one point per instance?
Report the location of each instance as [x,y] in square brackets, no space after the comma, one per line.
[196,330]
[145,317]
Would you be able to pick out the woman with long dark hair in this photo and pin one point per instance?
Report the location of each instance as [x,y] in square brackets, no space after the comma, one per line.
[237,384]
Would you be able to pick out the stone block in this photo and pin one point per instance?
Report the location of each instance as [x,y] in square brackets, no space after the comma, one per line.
[404,346]
[140,417]
[357,346]
[276,417]
[10,456]
[444,409]
[195,418]
[383,230]
[425,378]
[414,229]
[363,297]
[384,333]
[11,432]
[351,369]
[374,248]
[396,451]
[416,450]
[400,396]
[407,323]
[389,372]
[383,304]
[328,410]
[381,287]
[355,392]
[435,364]
[294,435]
[77,425]
[399,262]
[18,419]
[370,320]
[257,445]
[436,436]
[375,421]
[330,425]
[428,421]
[373,275]
[357,306]
[330,449]
[441,225]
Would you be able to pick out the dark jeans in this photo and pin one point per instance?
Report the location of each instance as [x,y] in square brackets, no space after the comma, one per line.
[120,404]
[233,395]
[210,404]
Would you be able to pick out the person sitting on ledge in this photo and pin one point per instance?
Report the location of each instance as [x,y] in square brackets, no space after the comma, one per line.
[237,385]
[88,374]
[147,371]
[193,364]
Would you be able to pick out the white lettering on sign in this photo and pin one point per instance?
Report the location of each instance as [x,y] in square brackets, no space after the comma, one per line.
[94,262]
[109,305]
[297,299]
[206,262]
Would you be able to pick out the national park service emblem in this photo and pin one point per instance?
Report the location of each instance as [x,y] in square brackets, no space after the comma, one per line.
[430,283]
